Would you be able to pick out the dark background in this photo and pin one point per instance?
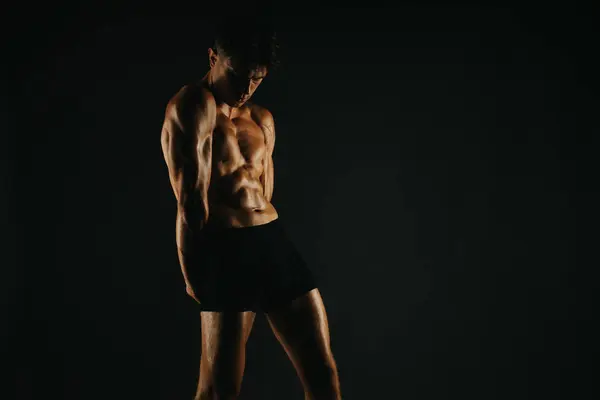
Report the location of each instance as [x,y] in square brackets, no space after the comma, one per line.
[430,165]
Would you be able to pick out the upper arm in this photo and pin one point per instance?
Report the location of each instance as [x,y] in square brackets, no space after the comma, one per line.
[187,147]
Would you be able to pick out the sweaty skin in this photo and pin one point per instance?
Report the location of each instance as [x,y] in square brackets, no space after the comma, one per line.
[234,158]
[220,161]
[218,148]
[242,168]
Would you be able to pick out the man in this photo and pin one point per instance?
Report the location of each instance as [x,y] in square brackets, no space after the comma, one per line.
[234,253]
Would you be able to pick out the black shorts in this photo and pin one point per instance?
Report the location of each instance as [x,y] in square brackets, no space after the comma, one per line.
[248,269]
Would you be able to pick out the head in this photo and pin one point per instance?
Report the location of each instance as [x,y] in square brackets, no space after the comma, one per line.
[243,52]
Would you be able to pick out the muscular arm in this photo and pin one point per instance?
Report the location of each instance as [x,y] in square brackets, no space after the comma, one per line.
[187,147]
[268,176]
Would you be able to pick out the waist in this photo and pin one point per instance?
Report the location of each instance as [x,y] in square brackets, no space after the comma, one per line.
[223,216]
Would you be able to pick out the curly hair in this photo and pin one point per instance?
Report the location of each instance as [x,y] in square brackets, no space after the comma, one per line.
[249,39]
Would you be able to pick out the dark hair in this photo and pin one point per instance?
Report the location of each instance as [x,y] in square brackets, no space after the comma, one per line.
[250,40]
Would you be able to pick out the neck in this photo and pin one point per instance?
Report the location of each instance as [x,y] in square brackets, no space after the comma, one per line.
[225,108]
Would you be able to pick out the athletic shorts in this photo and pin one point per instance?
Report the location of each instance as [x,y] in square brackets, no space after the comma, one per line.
[248,269]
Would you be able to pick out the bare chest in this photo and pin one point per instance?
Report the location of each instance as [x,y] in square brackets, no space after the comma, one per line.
[237,143]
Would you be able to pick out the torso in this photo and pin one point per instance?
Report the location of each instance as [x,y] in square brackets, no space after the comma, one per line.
[235,193]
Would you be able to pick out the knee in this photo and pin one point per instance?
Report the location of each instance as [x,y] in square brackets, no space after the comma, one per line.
[323,382]
[219,392]
[216,396]
[325,368]
[218,382]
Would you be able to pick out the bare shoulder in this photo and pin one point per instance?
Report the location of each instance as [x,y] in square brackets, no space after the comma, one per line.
[261,115]
[190,100]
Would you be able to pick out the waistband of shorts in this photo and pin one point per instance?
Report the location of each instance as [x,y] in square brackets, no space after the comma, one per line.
[243,230]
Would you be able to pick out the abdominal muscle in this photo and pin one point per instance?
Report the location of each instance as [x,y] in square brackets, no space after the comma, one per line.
[244,208]
[235,194]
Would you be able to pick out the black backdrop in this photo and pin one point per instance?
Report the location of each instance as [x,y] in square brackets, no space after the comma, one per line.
[427,166]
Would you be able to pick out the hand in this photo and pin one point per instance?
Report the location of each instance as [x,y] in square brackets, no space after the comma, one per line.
[191,293]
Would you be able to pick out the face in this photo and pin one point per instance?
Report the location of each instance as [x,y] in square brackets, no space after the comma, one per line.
[235,81]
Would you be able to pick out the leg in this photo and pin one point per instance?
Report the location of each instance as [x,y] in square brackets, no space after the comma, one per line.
[303,331]
[224,337]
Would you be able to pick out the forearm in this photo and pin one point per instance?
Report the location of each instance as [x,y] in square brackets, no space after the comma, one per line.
[188,228]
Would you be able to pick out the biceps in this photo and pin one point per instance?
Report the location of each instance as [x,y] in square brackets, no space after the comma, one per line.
[189,167]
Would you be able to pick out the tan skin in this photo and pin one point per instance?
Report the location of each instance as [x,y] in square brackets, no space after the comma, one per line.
[219,151]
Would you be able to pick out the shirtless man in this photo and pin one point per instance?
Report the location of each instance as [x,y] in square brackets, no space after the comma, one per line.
[234,253]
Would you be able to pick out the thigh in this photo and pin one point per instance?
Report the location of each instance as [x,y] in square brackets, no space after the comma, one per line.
[303,330]
[224,337]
